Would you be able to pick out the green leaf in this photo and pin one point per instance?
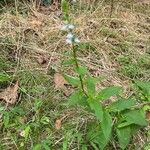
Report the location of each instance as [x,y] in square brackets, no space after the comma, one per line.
[82,71]
[90,81]
[136,117]
[77,98]
[27,131]
[122,104]
[124,136]
[69,62]
[96,136]
[97,108]
[72,80]
[144,87]
[106,125]
[108,92]
[4,77]
[37,147]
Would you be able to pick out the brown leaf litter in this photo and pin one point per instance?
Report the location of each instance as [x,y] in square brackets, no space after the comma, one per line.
[10,94]
[61,84]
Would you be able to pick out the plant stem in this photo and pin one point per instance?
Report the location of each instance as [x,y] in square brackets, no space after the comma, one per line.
[77,67]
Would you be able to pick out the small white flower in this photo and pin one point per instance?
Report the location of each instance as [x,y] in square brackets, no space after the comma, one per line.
[70,36]
[69,41]
[76,40]
[71,26]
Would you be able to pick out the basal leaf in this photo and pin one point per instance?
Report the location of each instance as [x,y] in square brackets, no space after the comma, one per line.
[90,81]
[122,104]
[124,136]
[106,125]
[108,92]
[144,87]
[135,117]
[77,98]
[97,108]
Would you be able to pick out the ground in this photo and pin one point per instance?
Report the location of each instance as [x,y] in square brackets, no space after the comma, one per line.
[115,45]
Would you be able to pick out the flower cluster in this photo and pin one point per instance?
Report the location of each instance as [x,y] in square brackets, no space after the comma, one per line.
[70,38]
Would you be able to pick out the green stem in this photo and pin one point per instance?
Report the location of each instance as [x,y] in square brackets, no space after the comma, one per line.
[77,67]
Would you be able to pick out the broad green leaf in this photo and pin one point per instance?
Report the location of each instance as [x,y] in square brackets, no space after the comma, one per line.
[144,87]
[4,77]
[77,98]
[124,136]
[90,81]
[82,71]
[97,108]
[122,104]
[124,124]
[69,62]
[136,117]
[96,136]
[72,80]
[106,125]
[37,147]
[108,92]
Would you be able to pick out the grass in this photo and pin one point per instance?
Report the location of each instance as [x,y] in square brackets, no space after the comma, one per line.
[117,48]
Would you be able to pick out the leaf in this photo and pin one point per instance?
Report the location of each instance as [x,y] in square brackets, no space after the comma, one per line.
[122,104]
[90,81]
[4,77]
[108,92]
[77,98]
[106,125]
[144,87]
[59,81]
[58,124]
[124,136]
[72,80]
[97,108]
[65,9]
[136,117]
[82,71]
[96,136]
[10,94]
[37,147]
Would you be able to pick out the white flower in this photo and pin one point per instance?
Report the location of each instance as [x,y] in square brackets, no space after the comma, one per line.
[76,40]
[71,26]
[70,36]
[69,41]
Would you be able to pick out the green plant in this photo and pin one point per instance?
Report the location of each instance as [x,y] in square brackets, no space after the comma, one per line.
[122,117]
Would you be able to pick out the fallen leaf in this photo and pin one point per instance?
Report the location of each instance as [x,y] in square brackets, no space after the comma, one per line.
[58,124]
[59,81]
[42,60]
[10,94]
[148,115]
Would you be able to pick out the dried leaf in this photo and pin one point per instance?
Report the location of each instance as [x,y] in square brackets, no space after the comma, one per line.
[42,60]
[58,124]
[10,94]
[59,81]
[148,115]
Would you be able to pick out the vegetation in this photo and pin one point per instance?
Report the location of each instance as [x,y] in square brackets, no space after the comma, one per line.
[78,79]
